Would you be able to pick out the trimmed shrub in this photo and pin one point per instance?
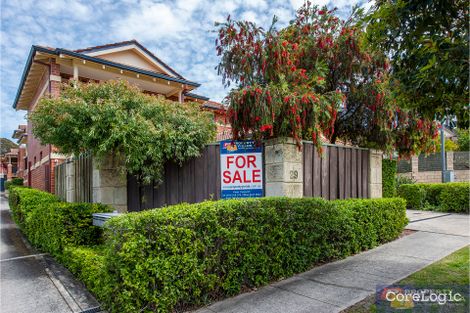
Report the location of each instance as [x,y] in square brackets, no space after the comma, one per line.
[455,198]
[14,182]
[88,265]
[23,200]
[185,255]
[447,197]
[389,173]
[49,224]
[51,227]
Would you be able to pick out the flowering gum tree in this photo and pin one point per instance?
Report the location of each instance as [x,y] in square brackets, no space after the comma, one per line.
[313,79]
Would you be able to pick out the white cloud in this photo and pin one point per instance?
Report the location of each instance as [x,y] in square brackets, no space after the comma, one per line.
[150,21]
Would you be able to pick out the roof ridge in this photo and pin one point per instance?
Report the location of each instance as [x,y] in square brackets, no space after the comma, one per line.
[105,45]
[126,42]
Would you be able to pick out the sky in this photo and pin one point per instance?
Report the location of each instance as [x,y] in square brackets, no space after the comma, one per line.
[181,33]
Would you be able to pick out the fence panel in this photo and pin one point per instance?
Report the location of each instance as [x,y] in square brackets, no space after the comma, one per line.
[340,173]
[83,171]
[461,160]
[60,181]
[197,180]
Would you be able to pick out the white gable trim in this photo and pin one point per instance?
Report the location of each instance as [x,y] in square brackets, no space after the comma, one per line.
[138,50]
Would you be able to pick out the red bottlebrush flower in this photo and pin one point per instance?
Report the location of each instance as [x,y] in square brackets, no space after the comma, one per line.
[285,43]
[269,99]
[295,46]
[244,92]
[265,127]
[293,68]
[258,90]
[286,99]
[319,79]
[420,124]
[257,118]
[321,12]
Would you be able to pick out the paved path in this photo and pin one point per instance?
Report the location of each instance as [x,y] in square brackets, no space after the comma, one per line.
[336,286]
[31,282]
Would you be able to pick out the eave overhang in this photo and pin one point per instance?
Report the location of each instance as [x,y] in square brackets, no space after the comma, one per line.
[63,52]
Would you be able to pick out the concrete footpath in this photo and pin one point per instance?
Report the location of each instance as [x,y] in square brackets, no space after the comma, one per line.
[32,282]
[335,286]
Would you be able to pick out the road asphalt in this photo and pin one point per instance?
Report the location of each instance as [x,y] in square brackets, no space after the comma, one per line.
[32,282]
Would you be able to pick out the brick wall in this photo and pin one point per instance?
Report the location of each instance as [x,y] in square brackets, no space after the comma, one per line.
[39,156]
[436,176]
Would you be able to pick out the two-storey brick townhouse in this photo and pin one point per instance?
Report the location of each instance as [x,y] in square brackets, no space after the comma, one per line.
[46,68]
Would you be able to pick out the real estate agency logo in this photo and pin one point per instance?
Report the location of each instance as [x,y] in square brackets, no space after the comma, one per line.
[408,297]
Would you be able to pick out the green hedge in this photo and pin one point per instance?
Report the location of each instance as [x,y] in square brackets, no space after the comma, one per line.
[389,182]
[24,200]
[14,182]
[187,255]
[88,264]
[50,224]
[184,255]
[446,197]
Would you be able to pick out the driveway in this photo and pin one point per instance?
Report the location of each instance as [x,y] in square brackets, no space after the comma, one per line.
[32,282]
[338,285]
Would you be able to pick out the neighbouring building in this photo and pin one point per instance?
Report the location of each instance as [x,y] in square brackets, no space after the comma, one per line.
[46,68]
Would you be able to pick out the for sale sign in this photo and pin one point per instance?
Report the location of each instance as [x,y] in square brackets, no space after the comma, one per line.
[241,169]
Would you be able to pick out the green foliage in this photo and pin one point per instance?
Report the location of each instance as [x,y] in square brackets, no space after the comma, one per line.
[401,180]
[389,174]
[14,182]
[455,198]
[88,264]
[188,254]
[23,201]
[449,144]
[51,225]
[428,44]
[140,131]
[316,78]
[6,145]
[414,194]
[446,197]
[463,139]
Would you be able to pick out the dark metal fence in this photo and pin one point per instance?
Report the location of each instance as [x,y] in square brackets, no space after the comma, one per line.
[431,162]
[340,173]
[403,166]
[461,160]
[197,180]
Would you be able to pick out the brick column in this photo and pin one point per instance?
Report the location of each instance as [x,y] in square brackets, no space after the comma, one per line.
[375,173]
[414,166]
[283,166]
[9,171]
[450,160]
[55,79]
